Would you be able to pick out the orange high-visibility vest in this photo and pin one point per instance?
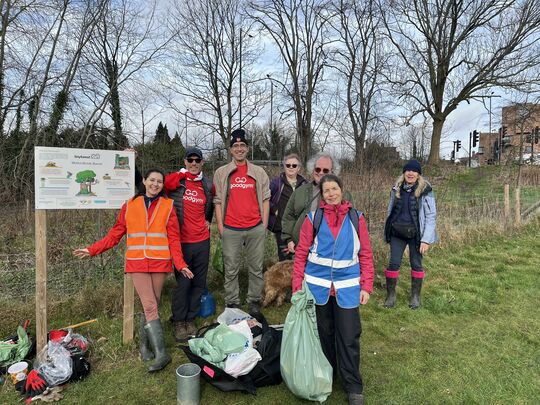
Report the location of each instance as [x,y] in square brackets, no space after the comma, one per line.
[147,238]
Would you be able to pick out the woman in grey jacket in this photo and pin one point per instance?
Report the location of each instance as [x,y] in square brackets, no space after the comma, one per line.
[411,220]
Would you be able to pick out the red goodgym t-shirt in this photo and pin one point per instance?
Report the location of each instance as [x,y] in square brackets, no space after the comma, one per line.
[194,228]
[242,206]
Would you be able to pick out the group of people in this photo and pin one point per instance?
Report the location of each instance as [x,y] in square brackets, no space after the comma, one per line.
[314,221]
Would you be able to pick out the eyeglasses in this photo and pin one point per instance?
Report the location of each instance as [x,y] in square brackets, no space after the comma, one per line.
[196,160]
[289,165]
[318,170]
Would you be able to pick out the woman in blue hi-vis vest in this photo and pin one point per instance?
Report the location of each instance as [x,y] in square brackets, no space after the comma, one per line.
[334,257]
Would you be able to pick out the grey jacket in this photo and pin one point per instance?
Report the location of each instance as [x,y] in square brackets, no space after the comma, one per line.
[427,213]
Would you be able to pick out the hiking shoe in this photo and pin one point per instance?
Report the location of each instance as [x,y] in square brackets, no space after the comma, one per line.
[355,399]
[191,329]
[254,308]
[180,332]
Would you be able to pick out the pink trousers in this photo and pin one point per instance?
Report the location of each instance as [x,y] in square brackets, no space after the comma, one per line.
[148,287]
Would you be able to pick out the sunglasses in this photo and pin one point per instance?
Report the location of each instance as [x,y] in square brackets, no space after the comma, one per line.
[289,165]
[318,170]
[196,160]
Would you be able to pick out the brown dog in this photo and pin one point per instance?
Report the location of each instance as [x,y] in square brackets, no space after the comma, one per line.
[277,283]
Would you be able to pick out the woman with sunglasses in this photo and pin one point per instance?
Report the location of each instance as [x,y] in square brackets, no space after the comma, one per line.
[281,189]
[153,244]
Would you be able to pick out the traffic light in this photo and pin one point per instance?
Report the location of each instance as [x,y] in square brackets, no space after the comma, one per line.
[475,138]
[536,135]
[453,156]
[458,146]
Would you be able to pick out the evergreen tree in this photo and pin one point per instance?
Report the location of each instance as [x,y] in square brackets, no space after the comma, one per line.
[162,134]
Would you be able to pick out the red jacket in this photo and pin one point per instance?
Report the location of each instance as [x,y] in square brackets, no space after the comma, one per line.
[119,229]
[334,215]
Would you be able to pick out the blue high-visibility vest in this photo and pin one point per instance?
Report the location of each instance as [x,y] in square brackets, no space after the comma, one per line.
[334,261]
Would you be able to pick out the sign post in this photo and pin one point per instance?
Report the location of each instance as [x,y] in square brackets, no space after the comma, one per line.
[68,178]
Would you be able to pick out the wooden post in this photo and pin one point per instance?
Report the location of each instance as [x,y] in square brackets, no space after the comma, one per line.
[518,206]
[506,202]
[129,300]
[41,279]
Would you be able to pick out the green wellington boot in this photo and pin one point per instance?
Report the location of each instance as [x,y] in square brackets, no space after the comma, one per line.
[144,344]
[154,330]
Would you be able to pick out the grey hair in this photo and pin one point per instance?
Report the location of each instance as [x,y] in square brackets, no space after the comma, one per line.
[336,167]
[292,156]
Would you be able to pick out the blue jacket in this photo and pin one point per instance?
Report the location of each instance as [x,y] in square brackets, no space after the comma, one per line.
[334,261]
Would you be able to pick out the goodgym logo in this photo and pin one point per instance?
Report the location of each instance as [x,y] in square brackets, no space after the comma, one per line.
[191,195]
[240,182]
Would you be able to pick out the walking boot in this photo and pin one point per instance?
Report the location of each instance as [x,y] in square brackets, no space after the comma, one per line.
[391,282]
[144,344]
[416,286]
[355,399]
[191,329]
[180,332]
[154,331]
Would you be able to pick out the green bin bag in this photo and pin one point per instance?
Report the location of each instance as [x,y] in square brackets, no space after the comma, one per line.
[304,367]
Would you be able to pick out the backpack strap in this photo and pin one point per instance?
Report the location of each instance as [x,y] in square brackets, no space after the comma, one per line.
[354,217]
[317,220]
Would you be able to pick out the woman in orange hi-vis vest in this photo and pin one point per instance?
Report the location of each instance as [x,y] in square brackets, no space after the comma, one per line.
[153,244]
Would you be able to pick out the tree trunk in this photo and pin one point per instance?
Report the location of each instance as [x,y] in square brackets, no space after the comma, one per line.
[434,152]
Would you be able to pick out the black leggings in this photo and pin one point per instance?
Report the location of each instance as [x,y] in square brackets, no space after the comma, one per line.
[397,247]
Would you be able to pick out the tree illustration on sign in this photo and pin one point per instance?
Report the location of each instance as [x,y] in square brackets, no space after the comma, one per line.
[86,179]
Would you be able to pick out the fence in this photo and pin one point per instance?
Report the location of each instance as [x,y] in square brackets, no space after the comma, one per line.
[461,216]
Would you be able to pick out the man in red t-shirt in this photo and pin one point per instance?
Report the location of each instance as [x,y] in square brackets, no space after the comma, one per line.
[242,207]
[193,200]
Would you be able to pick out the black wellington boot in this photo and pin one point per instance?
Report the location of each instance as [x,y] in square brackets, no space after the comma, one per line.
[416,287]
[390,301]
[155,335]
[144,348]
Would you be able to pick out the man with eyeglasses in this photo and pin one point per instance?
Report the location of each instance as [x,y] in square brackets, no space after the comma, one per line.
[306,198]
[242,208]
[193,200]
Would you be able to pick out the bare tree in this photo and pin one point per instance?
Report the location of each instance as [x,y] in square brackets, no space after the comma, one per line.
[300,30]
[452,50]
[127,42]
[360,60]
[211,64]
[415,140]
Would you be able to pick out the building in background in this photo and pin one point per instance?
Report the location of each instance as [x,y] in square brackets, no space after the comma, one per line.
[520,126]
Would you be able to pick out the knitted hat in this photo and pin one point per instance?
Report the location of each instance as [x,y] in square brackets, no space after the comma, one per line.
[413,165]
[238,135]
[193,152]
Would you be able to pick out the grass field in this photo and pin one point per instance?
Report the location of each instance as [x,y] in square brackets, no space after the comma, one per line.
[475,341]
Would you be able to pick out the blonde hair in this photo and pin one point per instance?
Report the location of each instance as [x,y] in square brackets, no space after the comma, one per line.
[421,185]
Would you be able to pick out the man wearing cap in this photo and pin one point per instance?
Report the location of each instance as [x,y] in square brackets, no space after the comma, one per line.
[193,202]
[242,203]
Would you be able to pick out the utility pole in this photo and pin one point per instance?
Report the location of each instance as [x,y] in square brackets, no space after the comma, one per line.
[240,89]
[470,141]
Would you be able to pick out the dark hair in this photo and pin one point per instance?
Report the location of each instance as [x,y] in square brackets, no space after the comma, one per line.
[142,188]
[330,177]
